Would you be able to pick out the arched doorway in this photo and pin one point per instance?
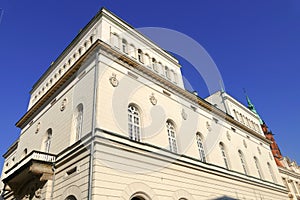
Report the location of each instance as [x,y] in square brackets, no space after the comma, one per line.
[71,197]
[137,198]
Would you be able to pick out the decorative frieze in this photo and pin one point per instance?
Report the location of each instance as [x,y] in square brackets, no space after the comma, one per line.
[113,80]
[152,99]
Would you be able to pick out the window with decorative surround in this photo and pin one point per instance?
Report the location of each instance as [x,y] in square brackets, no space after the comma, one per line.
[257,165]
[224,155]
[134,123]
[171,136]
[243,161]
[115,40]
[140,56]
[200,147]
[124,46]
[271,172]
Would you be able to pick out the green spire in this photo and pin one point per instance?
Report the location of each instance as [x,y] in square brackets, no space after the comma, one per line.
[252,108]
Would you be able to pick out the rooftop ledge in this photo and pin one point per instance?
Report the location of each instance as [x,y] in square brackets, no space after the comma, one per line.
[36,165]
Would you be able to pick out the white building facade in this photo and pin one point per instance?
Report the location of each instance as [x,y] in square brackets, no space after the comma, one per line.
[110,119]
[290,173]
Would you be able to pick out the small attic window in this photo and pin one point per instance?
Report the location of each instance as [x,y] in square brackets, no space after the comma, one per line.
[71,171]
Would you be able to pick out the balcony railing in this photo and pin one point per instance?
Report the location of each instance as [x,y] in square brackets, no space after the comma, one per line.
[33,156]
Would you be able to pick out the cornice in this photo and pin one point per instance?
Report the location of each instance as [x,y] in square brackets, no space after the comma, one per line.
[241,106]
[68,49]
[132,63]
[176,89]
[130,29]
[178,159]
[55,87]
[102,12]
[289,172]
[11,149]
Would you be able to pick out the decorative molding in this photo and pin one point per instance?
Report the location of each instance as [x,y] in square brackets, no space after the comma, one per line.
[208,126]
[137,67]
[63,104]
[113,80]
[152,99]
[182,194]
[184,114]
[37,127]
[134,190]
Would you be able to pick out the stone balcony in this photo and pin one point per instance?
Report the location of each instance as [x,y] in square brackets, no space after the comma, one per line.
[29,174]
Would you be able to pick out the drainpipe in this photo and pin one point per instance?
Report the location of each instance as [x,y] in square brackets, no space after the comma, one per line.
[91,167]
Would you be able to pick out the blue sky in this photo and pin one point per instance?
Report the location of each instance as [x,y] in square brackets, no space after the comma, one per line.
[255,44]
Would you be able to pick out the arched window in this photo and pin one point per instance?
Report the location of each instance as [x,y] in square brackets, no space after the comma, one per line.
[175,78]
[172,75]
[24,154]
[48,140]
[167,72]
[114,40]
[134,123]
[79,51]
[271,172]
[124,46]
[256,127]
[257,165]
[147,60]
[137,198]
[171,136]
[252,123]
[154,65]
[92,39]
[160,69]
[243,161]
[248,122]
[140,56]
[200,147]
[224,155]
[140,196]
[236,115]
[242,119]
[131,50]
[71,197]
[78,121]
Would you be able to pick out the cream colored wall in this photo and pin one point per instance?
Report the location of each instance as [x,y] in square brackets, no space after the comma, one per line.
[112,116]
[132,37]
[189,177]
[122,170]
[75,183]
[61,122]
[102,30]
[292,180]
[8,163]
[79,47]
[228,104]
